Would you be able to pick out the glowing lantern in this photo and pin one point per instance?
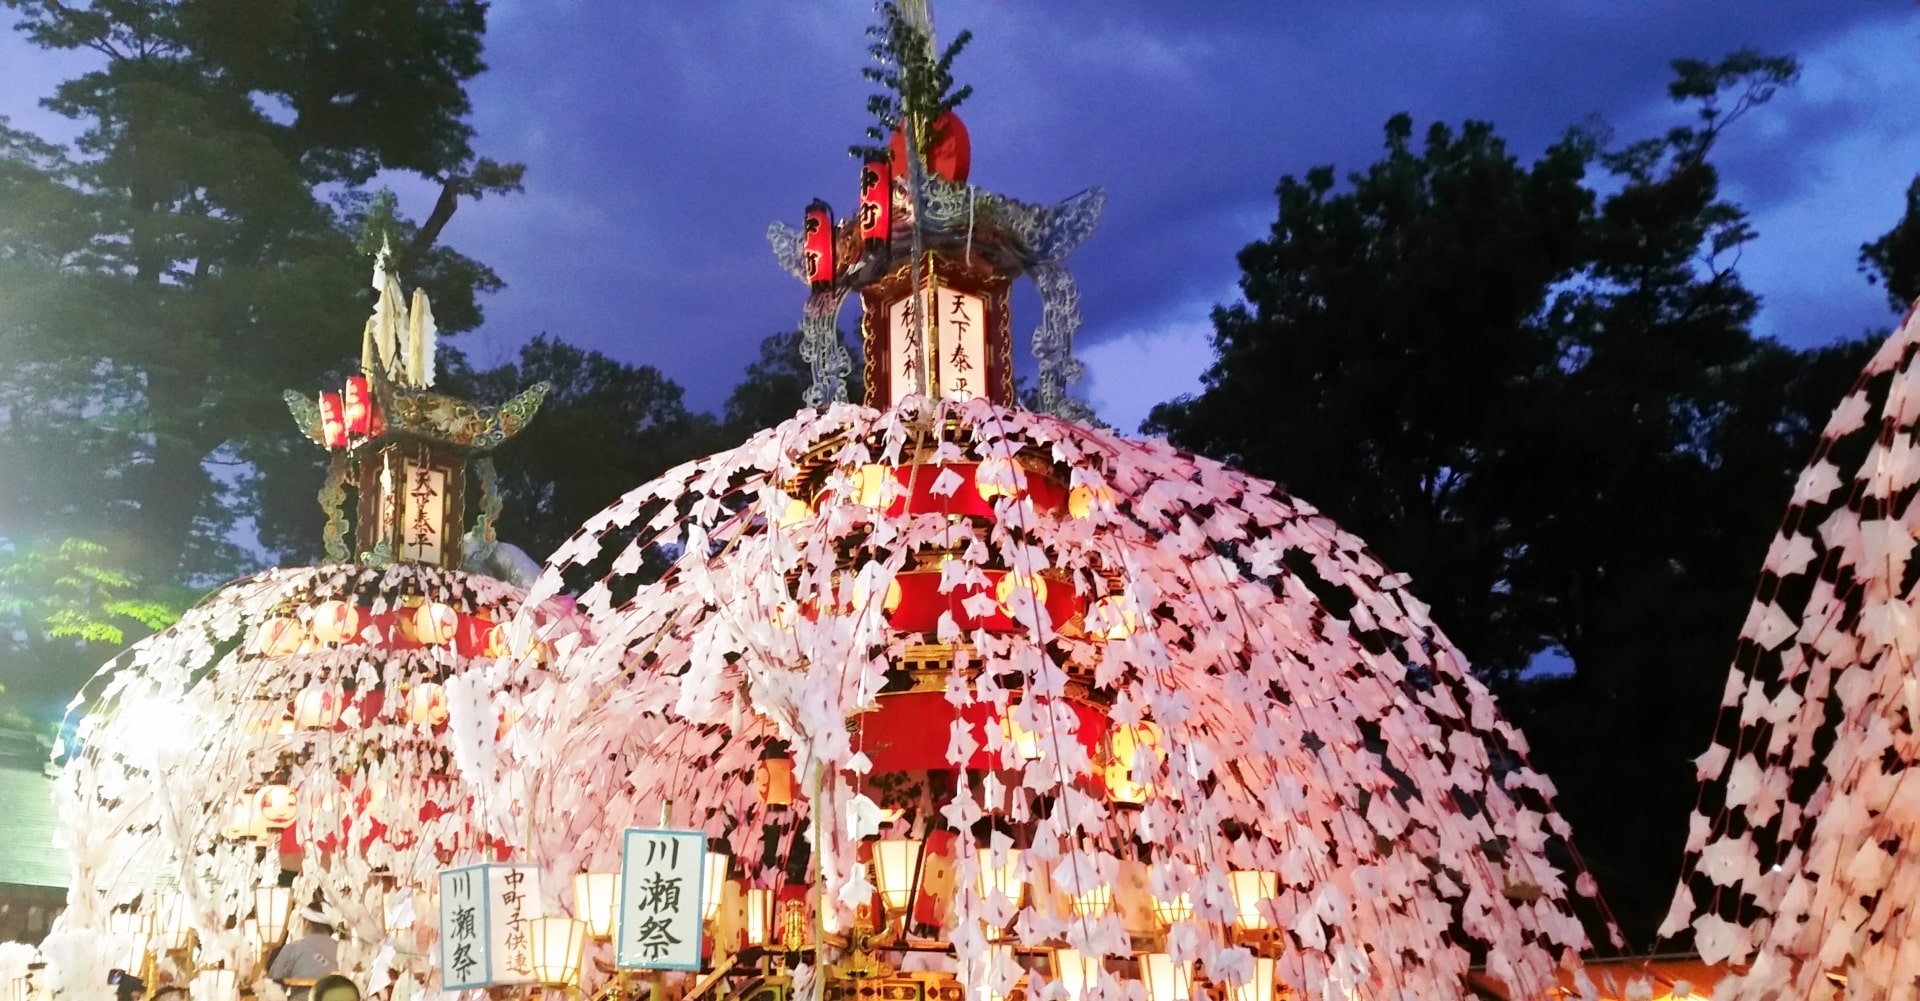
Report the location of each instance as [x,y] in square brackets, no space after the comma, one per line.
[1164,979]
[271,907]
[796,512]
[759,916]
[716,880]
[896,870]
[555,947]
[357,406]
[280,637]
[1075,972]
[1123,746]
[876,202]
[334,622]
[427,705]
[1004,591]
[1083,500]
[1093,901]
[1111,618]
[314,708]
[275,806]
[1260,986]
[1251,890]
[1009,877]
[999,477]
[333,425]
[773,781]
[870,489]
[434,623]
[816,247]
[596,899]
[1025,742]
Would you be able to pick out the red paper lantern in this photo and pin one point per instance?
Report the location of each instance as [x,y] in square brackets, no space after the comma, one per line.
[876,202]
[332,422]
[359,406]
[816,247]
[948,152]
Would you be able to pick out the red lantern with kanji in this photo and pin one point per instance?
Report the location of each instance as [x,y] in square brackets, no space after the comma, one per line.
[332,421]
[876,202]
[816,246]
[358,406]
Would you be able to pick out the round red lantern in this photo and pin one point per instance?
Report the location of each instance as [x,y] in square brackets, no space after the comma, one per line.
[948,152]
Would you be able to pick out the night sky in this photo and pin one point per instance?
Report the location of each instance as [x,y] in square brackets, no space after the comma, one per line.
[662,138]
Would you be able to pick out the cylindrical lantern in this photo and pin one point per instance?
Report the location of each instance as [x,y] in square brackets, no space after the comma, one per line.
[1164,979]
[876,202]
[250,933]
[335,622]
[1123,746]
[816,246]
[214,984]
[554,948]
[1093,901]
[271,906]
[773,781]
[896,868]
[333,423]
[357,406]
[759,916]
[1009,877]
[596,900]
[1075,972]
[1180,908]
[1259,987]
[716,883]
[1251,891]
[1110,618]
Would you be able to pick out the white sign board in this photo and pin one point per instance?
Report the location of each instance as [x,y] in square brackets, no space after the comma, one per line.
[484,910]
[903,347]
[661,883]
[961,331]
[425,514]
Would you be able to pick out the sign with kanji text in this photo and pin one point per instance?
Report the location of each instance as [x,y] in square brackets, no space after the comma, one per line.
[484,911]
[423,518]
[661,883]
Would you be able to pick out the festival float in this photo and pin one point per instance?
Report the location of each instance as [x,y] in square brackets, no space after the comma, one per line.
[1800,872]
[955,699]
[289,743]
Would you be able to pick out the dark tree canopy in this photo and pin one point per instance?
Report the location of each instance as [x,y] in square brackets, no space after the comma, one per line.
[194,252]
[1549,407]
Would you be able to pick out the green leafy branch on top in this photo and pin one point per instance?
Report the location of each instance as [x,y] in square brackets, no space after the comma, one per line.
[919,87]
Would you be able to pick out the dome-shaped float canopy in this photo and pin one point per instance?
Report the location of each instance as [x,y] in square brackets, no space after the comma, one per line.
[307,718]
[1111,698]
[1800,861]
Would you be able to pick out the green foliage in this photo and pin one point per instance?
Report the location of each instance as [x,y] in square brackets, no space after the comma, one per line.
[774,387]
[919,84]
[193,252]
[76,592]
[1893,260]
[1549,407]
[605,427]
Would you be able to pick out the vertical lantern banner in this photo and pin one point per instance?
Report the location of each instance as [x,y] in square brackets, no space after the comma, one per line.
[816,246]
[876,202]
[960,326]
[358,405]
[662,877]
[484,914]
[422,535]
[333,424]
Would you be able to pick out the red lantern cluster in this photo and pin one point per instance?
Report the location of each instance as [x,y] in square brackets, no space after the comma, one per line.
[876,203]
[349,414]
[816,247]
